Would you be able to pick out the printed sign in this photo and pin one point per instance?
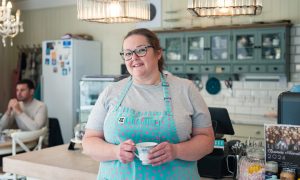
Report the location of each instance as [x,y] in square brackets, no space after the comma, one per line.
[283,145]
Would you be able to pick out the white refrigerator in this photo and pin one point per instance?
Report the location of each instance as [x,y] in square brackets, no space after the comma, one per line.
[64,63]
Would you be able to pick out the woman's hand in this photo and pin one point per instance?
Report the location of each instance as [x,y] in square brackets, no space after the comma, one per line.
[125,151]
[162,153]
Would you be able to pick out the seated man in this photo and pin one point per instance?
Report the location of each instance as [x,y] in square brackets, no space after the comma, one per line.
[24,112]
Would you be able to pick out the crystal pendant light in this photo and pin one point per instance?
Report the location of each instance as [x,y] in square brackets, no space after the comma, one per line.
[10,25]
[113,11]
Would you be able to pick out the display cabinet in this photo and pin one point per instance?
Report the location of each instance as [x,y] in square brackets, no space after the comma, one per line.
[260,51]
[259,48]
[90,88]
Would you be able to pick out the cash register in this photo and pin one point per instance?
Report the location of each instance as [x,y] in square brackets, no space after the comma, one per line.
[214,165]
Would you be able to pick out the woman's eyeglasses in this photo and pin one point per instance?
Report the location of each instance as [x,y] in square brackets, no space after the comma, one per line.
[140,52]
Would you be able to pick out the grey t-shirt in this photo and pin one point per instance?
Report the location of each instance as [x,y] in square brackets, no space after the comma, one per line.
[190,110]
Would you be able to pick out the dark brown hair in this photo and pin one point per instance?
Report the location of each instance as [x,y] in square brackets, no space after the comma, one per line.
[28,82]
[152,40]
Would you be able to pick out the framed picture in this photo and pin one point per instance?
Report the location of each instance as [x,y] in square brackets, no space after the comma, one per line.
[283,145]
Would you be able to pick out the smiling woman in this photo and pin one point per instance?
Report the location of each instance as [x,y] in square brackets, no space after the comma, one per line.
[153,107]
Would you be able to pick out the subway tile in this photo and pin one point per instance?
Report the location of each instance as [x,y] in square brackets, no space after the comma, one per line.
[242,93]
[230,109]
[251,85]
[295,59]
[268,85]
[237,84]
[292,59]
[242,110]
[235,101]
[282,85]
[297,68]
[266,102]
[259,93]
[295,77]
[222,102]
[292,68]
[297,51]
[293,49]
[297,31]
[293,31]
[295,40]
[290,85]
[259,110]
[252,101]
[223,85]
[275,93]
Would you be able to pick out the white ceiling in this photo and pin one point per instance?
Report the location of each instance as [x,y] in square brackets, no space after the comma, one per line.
[39,4]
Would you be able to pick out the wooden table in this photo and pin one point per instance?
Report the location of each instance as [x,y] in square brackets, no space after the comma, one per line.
[52,163]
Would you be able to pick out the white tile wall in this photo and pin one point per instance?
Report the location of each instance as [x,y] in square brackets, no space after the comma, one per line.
[297,50]
[256,98]
[295,54]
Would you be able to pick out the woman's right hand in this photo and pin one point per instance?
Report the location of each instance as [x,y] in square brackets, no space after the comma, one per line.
[125,151]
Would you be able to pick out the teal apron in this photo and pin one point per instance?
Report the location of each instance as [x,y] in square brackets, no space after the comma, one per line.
[125,123]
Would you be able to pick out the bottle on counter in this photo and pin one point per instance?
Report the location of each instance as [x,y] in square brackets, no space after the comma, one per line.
[287,174]
[271,168]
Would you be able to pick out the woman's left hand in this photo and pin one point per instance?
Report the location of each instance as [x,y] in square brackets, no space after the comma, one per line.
[162,153]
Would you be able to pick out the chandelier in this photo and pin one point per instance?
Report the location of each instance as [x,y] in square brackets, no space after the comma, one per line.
[10,25]
[113,11]
[215,8]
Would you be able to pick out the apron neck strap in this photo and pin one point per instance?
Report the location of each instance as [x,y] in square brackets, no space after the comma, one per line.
[123,93]
[167,97]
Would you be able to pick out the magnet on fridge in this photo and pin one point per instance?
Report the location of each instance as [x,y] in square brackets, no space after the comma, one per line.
[60,57]
[49,47]
[53,55]
[53,61]
[62,64]
[47,61]
[55,69]
[67,43]
[64,72]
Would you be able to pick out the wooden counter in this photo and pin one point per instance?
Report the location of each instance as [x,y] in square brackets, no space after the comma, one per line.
[52,163]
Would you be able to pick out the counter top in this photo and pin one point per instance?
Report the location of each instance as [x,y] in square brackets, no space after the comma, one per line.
[52,163]
[251,119]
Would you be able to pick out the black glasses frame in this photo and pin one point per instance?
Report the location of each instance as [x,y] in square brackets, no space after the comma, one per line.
[135,51]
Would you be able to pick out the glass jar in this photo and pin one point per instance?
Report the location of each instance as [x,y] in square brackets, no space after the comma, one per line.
[271,168]
[287,174]
[79,130]
[252,166]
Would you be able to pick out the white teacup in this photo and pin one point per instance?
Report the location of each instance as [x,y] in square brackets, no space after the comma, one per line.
[143,151]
